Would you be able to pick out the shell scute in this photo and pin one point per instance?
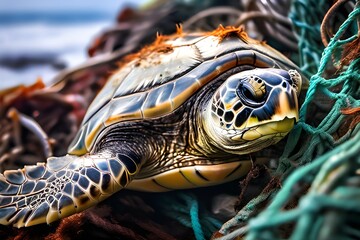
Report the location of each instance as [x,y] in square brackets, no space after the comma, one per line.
[35,172]
[27,187]
[210,46]
[158,101]
[40,185]
[15,176]
[157,69]
[93,127]
[93,175]
[127,107]
[106,93]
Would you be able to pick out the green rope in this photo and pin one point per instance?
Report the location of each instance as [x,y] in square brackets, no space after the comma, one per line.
[333,155]
[195,222]
[337,160]
[185,208]
[306,17]
[312,202]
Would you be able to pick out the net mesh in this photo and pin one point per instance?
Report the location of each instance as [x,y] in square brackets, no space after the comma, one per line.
[319,197]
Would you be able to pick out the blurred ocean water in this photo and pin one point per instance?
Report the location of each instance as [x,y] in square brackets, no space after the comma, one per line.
[39,44]
[32,50]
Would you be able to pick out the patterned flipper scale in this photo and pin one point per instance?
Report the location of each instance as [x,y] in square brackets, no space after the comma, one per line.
[63,186]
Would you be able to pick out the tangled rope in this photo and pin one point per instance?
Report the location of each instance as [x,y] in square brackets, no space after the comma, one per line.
[324,157]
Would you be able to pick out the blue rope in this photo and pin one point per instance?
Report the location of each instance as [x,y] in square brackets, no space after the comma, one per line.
[195,221]
[185,208]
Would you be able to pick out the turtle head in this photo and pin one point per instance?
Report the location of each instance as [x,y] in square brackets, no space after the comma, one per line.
[253,109]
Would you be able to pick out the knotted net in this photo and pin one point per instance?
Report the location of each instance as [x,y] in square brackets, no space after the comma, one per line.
[319,198]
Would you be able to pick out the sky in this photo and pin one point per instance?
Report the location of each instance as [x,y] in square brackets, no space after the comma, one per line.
[23,34]
[107,6]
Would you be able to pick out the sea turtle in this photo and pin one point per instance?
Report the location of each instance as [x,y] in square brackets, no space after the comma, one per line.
[184,112]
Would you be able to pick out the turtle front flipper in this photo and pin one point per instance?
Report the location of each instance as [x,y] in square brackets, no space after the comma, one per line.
[65,185]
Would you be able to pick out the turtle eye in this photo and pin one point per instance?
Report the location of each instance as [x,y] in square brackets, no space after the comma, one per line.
[251,91]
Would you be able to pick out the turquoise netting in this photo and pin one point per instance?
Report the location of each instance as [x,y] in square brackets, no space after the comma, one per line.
[319,198]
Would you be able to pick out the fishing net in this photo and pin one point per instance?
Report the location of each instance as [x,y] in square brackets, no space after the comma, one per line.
[310,190]
[319,169]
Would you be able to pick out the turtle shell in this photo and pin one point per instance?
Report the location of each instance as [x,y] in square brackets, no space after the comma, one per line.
[162,76]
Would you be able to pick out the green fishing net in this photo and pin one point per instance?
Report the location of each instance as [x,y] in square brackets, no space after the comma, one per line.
[319,197]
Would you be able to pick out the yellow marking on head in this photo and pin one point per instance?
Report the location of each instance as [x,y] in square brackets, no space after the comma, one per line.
[284,105]
[282,126]
[229,105]
[252,121]
[251,135]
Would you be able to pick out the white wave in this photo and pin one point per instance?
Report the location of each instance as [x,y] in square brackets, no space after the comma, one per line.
[66,43]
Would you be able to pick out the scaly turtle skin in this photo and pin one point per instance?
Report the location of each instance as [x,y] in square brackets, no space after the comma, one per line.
[184,112]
